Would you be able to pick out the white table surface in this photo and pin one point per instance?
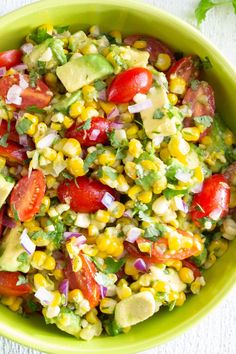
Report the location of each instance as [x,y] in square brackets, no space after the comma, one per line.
[216,333]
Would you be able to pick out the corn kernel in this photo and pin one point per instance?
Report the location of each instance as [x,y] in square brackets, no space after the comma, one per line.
[207,140]
[145,197]
[88,112]
[160,185]
[173,99]
[163,62]
[181,299]
[91,316]
[177,85]
[130,169]
[76,263]
[56,299]
[51,80]
[50,181]
[40,281]
[2,162]
[107,106]
[151,290]
[102,215]
[32,225]
[191,134]
[186,275]
[76,109]
[47,27]
[49,263]
[67,122]
[174,242]
[165,154]
[178,147]
[229,138]
[88,92]
[134,191]
[107,305]
[38,259]
[117,36]
[75,295]
[75,166]
[135,148]
[58,274]
[56,126]
[140,44]
[89,49]
[71,148]
[161,286]
[16,305]
[123,292]
[117,209]
[132,131]
[8,300]
[107,158]
[94,31]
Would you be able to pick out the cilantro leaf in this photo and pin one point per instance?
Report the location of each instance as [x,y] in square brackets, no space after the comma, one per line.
[35,109]
[109,172]
[55,236]
[39,35]
[146,182]
[194,84]
[158,114]
[206,121]
[104,279]
[206,63]
[90,158]
[61,29]
[113,266]
[99,85]
[203,7]
[153,232]
[3,140]
[41,65]
[33,77]
[115,142]
[171,193]
[23,126]
[23,258]
[86,125]
[15,213]
[21,280]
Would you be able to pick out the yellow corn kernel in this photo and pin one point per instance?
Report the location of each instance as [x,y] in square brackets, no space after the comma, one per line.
[34,120]
[186,275]
[181,299]
[178,147]
[130,169]
[91,316]
[51,80]
[16,305]
[151,290]
[103,242]
[75,166]
[58,274]
[161,286]
[119,249]
[56,126]
[2,162]
[173,99]
[67,122]
[76,109]
[207,140]
[94,31]
[123,292]
[107,305]
[50,181]
[38,259]
[88,92]
[107,158]
[135,148]
[49,263]
[40,281]
[90,250]
[191,133]
[71,148]
[135,286]
[160,185]
[140,44]
[93,231]
[56,299]
[47,27]
[198,173]
[46,203]
[32,225]
[229,138]
[145,197]
[177,85]
[218,247]
[163,62]
[117,209]
[76,263]
[148,165]
[132,131]
[89,49]
[134,191]
[174,264]
[107,107]
[117,36]
[165,154]
[49,154]
[8,300]
[195,286]
[75,295]
[88,112]
[174,242]
[186,242]
[102,215]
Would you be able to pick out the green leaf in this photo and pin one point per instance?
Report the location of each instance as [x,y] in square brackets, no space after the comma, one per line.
[109,172]
[146,182]
[15,214]
[33,77]
[116,143]
[194,84]
[3,140]
[33,306]
[41,65]
[171,193]
[121,152]
[35,109]
[203,7]
[158,114]
[104,279]
[61,29]
[90,158]
[23,126]
[23,258]
[206,121]
[86,125]
[21,280]
[175,166]
[112,265]
[234,5]
[99,85]
[39,35]
[58,51]
[66,175]
[206,63]
[153,232]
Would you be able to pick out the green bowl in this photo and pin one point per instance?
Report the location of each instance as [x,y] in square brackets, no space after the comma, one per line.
[129,17]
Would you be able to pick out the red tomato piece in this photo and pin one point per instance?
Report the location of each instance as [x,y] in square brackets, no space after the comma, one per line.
[201,100]
[84,195]
[13,135]
[96,134]
[214,197]
[8,287]
[27,195]
[193,267]
[154,46]
[10,58]
[13,152]
[39,96]
[128,83]
[187,68]
[84,280]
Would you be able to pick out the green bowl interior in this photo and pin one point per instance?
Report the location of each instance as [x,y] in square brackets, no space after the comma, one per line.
[131,17]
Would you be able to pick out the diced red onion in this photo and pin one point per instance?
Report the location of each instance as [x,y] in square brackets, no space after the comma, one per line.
[128,214]
[8,222]
[197,188]
[17,115]
[23,83]
[27,243]
[107,199]
[13,95]
[133,234]
[27,48]
[94,134]
[183,176]
[26,141]
[103,291]
[140,265]
[20,67]
[81,239]
[115,125]
[64,289]
[46,141]
[102,95]
[215,214]
[114,113]
[44,296]
[139,107]
[3,71]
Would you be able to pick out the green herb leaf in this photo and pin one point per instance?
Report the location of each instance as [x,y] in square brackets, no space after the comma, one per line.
[23,126]
[23,258]
[171,193]
[115,142]
[146,182]
[58,51]
[90,158]
[99,85]
[206,121]
[21,280]
[158,114]
[109,172]
[104,279]
[113,266]
[86,125]
[203,7]
[39,35]
[206,63]
[41,65]
[15,214]
[66,175]
[194,84]
[153,232]
[61,29]
[35,109]
[33,77]
[3,140]
[33,306]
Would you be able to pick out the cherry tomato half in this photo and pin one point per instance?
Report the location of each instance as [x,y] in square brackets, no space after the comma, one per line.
[8,287]
[39,96]
[85,195]
[187,68]
[214,197]
[153,46]
[84,280]
[13,152]
[128,83]
[13,135]
[27,195]
[10,58]
[96,134]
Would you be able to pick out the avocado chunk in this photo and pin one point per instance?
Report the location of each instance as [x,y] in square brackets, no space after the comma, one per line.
[83,70]
[67,100]
[66,321]
[135,309]
[13,256]
[6,186]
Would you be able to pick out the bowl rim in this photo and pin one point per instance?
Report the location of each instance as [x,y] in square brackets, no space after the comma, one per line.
[24,338]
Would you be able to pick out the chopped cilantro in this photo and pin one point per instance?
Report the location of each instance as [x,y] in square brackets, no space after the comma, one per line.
[116,143]
[171,193]
[109,172]
[206,121]
[121,152]
[21,280]
[153,232]
[146,182]
[104,279]
[66,175]
[35,109]
[158,114]
[113,266]
[33,77]
[3,140]
[90,158]
[61,29]
[111,39]
[15,213]
[194,84]
[41,65]
[206,64]
[55,236]
[23,258]
[39,35]
[23,126]
[33,306]
[99,85]
[86,125]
